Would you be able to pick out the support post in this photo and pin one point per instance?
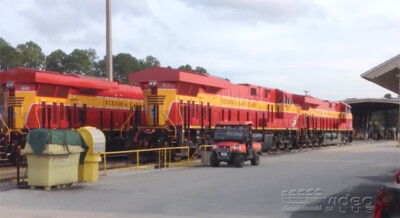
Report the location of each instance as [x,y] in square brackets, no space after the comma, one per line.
[104,163]
[137,160]
[398,121]
[109,61]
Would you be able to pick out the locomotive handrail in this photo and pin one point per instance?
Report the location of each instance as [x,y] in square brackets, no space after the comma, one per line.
[123,125]
[180,115]
[22,118]
[161,163]
[37,116]
[172,123]
[8,129]
[4,123]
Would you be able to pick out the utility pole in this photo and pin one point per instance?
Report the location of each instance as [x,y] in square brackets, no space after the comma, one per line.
[109,61]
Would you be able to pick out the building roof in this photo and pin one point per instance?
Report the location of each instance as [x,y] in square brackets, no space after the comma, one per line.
[385,74]
[373,104]
[372,100]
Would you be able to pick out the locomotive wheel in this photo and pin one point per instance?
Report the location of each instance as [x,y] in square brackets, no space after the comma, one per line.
[214,162]
[238,160]
[256,159]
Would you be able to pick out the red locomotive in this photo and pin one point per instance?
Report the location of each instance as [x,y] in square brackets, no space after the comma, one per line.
[41,99]
[182,108]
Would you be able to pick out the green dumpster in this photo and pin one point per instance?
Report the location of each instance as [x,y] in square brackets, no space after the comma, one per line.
[53,157]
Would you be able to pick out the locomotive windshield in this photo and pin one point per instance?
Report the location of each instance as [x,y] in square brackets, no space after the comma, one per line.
[231,133]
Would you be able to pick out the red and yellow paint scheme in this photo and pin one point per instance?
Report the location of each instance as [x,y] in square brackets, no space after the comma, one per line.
[235,143]
[187,106]
[41,99]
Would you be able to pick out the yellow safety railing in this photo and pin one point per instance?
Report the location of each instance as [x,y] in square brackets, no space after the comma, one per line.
[163,161]
[204,147]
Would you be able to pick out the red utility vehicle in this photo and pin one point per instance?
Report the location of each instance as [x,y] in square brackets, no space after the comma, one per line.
[235,144]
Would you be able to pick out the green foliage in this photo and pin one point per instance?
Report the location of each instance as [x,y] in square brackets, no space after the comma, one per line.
[31,55]
[100,68]
[149,62]
[55,61]
[81,61]
[9,57]
[124,64]
[198,69]
[186,67]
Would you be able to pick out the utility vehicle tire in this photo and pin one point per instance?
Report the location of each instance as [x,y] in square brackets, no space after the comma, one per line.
[214,162]
[238,160]
[256,159]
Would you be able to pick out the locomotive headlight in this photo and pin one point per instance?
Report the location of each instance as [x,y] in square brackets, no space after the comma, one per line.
[237,147]
[152,83]
[10,85]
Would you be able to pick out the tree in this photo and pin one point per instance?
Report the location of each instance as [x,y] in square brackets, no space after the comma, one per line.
[124,64]
[100,68]
[200,70]
[81,61]
[186,67]
[8,56]
[55,61]
[31,55]
[149,62]
[92,55]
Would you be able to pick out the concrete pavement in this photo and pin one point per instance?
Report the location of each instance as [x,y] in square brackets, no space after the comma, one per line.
[314,183]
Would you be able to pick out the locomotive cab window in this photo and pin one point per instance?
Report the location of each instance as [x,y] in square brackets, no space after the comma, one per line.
[253,91]
[266,93]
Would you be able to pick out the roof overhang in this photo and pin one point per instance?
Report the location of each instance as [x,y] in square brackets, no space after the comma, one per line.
[385,74]
[372,104]
[353,101]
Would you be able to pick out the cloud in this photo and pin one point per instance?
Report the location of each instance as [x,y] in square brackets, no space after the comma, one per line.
[317,45]
[270,11]
[74,20]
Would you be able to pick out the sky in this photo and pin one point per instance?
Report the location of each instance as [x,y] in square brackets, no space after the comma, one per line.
[322,46]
